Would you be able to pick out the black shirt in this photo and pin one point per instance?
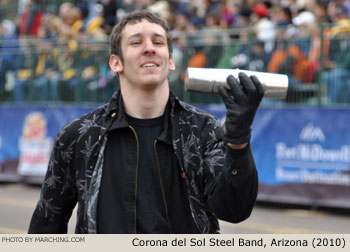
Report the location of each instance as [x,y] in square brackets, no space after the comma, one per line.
[150,206]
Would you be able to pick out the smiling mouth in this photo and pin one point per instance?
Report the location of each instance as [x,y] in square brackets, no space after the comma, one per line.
[149,65]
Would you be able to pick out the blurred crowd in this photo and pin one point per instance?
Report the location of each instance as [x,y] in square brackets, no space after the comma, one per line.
[55,54]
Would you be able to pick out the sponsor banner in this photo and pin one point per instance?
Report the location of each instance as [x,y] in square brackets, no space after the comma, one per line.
[26,138]
[302,154]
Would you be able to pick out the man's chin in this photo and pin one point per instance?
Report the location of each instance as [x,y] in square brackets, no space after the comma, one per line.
[151,83]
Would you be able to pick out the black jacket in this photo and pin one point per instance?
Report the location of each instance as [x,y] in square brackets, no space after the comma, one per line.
[221,182]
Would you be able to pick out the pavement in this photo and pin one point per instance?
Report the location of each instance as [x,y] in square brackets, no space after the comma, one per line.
[17,202]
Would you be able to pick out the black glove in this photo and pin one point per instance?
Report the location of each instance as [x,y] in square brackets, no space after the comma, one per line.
[241,102]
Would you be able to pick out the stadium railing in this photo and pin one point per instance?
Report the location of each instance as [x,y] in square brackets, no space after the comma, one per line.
[76,71]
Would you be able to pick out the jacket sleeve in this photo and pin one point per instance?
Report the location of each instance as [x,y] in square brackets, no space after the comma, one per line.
[58,194]
[231,183]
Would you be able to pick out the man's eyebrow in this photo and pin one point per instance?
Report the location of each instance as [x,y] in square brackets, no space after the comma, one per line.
[159,35]
[139,34]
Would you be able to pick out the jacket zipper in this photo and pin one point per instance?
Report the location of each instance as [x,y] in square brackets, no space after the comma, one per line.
[137,172]
[162,186]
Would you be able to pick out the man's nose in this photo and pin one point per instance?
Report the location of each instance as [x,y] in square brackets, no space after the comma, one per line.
[149,47]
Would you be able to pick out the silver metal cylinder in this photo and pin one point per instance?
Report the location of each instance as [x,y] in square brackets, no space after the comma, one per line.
[207,80]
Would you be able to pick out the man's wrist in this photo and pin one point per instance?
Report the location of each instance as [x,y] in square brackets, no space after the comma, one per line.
[237,146]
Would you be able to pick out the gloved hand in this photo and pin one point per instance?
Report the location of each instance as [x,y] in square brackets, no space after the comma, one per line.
[241,102]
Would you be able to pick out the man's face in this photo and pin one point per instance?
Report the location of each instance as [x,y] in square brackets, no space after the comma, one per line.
[145,54]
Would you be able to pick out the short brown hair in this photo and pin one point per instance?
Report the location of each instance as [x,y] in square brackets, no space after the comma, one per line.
[133,18]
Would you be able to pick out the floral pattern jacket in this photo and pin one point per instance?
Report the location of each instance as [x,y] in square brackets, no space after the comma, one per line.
[221,182]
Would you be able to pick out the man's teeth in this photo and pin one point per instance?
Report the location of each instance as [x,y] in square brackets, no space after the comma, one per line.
[149,65]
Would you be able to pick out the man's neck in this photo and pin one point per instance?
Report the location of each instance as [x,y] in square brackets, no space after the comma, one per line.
[145,104]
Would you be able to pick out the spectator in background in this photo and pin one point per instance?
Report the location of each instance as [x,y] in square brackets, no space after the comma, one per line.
[107,81]
[176,76]
[226,59]
[94,26]
[304,22]
[63,11]
[319,52]
[320,10]
[243,23]
[282,18]
[162,8]
[243,20]
[251,57]
[198,58]
[347,8]
[288,58]
[324,49]
[89,66]
[8,51]
[25,62]
[31,18]
[68,65]
[337,79]
[258,57]
[213,37]
[336,13]
[46,83]
[125,7]
[72,20]
[228,13]
[263,26]
[110,8]
[213,30]
[47,77]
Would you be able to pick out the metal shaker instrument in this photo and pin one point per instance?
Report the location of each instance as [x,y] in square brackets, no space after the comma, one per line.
[207,80]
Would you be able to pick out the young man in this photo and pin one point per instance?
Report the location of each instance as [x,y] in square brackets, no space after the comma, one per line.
[147,162]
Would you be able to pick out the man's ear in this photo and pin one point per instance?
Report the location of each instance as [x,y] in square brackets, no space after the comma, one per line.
[115,63]
[171,63]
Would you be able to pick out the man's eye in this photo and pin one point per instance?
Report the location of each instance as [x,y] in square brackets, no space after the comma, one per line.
[135,42]
[158,42]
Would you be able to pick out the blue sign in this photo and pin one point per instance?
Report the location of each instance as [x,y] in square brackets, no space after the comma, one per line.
[302,154]
[26,137]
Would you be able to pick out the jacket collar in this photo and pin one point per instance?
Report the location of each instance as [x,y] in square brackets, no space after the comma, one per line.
[116,112]
[165,134]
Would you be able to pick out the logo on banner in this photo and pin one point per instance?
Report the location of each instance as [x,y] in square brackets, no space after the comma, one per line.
[34,146]
[311,160]
[312,134]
